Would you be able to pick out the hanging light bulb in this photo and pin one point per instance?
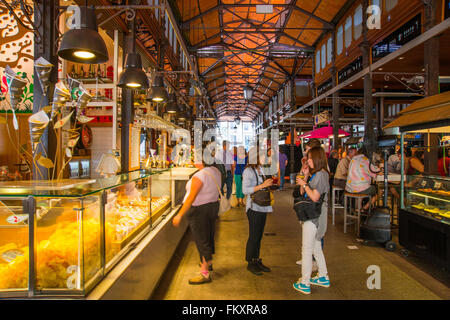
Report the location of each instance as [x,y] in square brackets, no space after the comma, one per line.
[157,92]
[133,76]
[171,106]
[83,43]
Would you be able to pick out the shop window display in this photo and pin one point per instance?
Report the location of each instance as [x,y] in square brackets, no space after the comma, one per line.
[78,232]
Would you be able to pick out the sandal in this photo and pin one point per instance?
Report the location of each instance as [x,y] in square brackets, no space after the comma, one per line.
[201,279]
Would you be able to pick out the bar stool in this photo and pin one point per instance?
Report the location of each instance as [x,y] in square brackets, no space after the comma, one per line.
[354,212]
[335,190]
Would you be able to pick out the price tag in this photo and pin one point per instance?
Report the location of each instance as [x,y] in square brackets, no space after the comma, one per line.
[10,255]
[423,183]
[17,218]
[437,185]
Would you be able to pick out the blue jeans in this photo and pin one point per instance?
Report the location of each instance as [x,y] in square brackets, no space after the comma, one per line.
[282,176]
[229,182]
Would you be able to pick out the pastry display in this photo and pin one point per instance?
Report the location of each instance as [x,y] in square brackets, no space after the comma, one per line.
[440,192]
[129,215]
[53,256]
[431,209]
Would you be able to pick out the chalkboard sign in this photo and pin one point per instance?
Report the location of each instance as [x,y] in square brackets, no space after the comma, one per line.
[350,70]
[447,9]
[398,38]
[327,85]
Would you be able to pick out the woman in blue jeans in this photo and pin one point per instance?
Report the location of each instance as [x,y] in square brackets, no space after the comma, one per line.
[253,181]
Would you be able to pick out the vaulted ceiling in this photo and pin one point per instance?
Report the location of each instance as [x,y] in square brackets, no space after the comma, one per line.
[235,46]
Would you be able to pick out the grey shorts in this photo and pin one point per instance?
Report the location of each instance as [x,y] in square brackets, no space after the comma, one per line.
[371,191]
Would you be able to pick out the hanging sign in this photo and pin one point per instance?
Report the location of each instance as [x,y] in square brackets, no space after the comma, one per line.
[322,117]
[17,218]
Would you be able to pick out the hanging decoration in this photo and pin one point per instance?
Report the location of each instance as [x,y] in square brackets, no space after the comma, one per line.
[43,70]
[60,97]
[16,86]
[37,122]
[83,99]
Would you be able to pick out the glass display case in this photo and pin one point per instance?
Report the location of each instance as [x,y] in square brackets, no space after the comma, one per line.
[61,238]
[428,196]
[424,217]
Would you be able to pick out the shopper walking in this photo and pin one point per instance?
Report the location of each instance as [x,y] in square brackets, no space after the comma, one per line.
[227,158]
[253,182]
[201,206]
[283,161]
[313,230]
[240,161]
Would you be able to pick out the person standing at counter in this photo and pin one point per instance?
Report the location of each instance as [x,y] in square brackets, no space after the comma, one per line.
[253,181]
[201,207]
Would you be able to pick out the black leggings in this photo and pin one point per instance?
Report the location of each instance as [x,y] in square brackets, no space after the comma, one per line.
[256,224]
[202,221]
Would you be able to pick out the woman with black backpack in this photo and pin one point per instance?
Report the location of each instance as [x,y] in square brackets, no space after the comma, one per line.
[254,185]
[310,204]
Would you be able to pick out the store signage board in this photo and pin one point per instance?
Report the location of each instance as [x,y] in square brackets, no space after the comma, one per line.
[327,85]
[350,70]
[401,36]
[134,152]
[447,9]
[321,118]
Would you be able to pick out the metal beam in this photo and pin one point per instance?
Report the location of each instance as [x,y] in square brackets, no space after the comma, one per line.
[435,31]
[327,24]
[186,23]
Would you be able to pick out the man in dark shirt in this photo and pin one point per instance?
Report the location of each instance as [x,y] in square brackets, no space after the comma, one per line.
[333,162]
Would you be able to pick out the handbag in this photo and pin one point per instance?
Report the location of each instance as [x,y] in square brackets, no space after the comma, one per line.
[224,203]
[306,209]
[262,197]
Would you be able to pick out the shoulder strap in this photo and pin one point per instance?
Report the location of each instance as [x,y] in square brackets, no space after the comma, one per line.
[215,182]
[256,175]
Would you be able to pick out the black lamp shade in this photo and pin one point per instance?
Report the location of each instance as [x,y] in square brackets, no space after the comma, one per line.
[133,77]
[171,106]
[157,92]
[181,114]
[83,44]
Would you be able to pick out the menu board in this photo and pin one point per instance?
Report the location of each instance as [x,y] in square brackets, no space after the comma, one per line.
[134,152]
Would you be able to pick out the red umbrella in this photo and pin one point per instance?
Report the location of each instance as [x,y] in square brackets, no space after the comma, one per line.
[323,133]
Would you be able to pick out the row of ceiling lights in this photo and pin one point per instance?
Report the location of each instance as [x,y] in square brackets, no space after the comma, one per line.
[83,44]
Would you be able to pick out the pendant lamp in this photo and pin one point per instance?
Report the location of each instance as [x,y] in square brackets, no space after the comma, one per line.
[172,104]
[181,114]
[83,43]
[157,92]
[133,77]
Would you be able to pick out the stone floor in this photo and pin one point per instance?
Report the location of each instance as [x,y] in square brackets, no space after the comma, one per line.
[401,278]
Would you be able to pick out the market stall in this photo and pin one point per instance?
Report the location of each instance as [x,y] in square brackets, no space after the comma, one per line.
[424,220]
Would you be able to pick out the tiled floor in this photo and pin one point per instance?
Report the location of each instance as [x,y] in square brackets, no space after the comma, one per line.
[401,278]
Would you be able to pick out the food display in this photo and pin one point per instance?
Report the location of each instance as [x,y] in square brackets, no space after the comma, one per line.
[432,209]
[68,231]
[438,192]
[429,195]
[130,215]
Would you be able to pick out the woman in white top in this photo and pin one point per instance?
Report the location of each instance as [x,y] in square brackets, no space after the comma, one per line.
[201,207]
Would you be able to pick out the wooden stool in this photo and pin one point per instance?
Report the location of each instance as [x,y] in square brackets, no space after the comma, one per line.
[354,212]
[335,205]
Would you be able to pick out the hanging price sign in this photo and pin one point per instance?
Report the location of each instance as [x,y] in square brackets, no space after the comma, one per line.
[17,218]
